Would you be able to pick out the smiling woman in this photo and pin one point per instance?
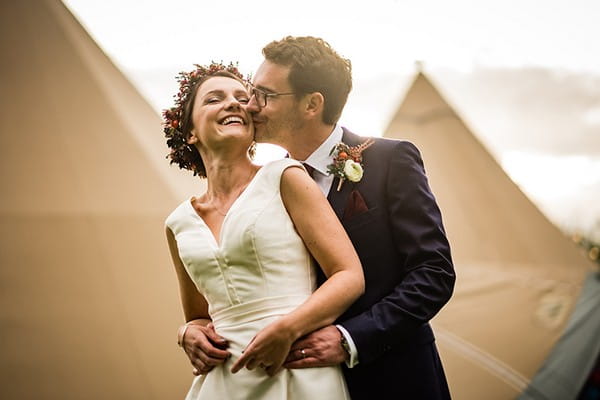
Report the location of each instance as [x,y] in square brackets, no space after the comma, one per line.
[179,119]
[243,251]
[217,116]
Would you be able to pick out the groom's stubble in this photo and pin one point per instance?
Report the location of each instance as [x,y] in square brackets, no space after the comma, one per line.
[284,128]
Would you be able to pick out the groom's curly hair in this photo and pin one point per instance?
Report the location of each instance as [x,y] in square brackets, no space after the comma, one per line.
[314,67]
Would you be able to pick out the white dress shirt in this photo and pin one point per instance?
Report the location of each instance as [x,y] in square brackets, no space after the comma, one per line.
[319,160]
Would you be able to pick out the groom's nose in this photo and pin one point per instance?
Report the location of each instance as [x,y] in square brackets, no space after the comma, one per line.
[252,105]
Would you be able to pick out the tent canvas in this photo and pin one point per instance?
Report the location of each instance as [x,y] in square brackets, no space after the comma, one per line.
[518,276]
[89,297]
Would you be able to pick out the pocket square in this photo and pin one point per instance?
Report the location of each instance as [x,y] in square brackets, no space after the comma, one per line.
[355,205]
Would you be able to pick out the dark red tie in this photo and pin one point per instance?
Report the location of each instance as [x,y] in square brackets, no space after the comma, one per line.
[310,170]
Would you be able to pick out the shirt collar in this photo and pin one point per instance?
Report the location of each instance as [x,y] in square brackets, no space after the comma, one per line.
[321,158]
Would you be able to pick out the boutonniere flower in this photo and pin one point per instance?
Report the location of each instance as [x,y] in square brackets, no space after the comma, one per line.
[347,161]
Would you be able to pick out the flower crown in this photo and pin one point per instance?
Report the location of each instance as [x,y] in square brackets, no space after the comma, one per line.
[173,117]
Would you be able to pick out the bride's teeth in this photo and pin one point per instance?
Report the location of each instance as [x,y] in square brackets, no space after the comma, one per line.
[232,119]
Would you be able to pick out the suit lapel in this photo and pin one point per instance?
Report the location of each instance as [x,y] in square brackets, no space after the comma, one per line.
[338,200]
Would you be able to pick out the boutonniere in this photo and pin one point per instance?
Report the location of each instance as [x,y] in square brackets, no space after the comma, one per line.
[347,161]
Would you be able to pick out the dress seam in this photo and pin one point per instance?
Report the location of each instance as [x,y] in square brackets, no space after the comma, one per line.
[254,249]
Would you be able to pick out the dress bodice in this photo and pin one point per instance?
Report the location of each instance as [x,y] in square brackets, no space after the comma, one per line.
[259,254]
[257,271]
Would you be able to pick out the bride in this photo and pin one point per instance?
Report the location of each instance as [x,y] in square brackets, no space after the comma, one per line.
[243,251]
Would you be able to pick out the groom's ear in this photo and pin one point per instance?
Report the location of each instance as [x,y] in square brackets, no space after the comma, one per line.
[314,103]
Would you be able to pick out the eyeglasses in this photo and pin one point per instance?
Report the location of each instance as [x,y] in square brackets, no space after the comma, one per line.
[261,95]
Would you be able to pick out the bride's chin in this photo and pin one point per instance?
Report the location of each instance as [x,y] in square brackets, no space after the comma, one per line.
[236,142]
[238,132]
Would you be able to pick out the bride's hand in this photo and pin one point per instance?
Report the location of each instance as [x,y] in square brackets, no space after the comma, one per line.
[268,349]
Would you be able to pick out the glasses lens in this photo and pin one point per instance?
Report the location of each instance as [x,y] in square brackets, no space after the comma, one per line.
[261,98]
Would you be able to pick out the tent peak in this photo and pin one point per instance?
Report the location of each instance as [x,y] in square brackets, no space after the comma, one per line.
[419,66]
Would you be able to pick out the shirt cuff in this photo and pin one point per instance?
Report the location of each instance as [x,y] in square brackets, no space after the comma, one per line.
[353,361]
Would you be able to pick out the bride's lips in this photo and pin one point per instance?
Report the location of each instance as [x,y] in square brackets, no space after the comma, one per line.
[233,119]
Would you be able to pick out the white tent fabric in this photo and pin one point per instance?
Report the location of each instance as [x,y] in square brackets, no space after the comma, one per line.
[89,306]
[517,276]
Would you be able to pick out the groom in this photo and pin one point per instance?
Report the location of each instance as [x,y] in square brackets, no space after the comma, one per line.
[384,340]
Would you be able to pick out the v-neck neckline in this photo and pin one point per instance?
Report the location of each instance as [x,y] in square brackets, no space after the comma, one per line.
[219,242]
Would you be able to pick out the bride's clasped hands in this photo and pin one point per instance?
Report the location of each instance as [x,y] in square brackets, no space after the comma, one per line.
[268,349]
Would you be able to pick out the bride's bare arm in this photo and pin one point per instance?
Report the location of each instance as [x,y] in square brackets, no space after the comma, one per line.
[329,244]
[194,304]
[203,346]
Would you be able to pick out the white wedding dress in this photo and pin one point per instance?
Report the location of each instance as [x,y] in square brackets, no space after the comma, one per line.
[258,271]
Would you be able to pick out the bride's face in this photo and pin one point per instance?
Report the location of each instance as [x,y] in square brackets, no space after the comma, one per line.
[218,116]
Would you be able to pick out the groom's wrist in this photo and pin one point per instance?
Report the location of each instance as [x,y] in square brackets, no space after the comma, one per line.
[349,347]
[345,346]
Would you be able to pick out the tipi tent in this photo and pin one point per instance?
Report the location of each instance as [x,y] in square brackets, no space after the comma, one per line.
[518,277]
[89,305]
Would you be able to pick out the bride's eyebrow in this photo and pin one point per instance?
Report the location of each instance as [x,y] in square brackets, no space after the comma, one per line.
[222,92]
[216,91]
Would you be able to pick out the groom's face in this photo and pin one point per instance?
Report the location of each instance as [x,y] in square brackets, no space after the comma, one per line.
[276,121]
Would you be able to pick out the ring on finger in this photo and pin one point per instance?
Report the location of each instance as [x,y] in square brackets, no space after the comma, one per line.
[303,353]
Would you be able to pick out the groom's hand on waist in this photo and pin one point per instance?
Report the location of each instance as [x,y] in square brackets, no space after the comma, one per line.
[320,348]
[205,348]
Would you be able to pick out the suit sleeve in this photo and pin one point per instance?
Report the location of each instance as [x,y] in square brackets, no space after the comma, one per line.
[423,254]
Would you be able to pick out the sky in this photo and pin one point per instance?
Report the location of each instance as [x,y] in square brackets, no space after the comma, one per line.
[533,63]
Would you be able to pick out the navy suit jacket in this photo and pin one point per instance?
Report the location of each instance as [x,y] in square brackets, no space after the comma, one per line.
[408,269]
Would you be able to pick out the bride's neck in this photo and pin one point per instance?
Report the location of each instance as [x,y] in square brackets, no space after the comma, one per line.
[225,175]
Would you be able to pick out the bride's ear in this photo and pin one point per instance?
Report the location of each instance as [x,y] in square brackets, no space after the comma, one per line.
[192,138]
